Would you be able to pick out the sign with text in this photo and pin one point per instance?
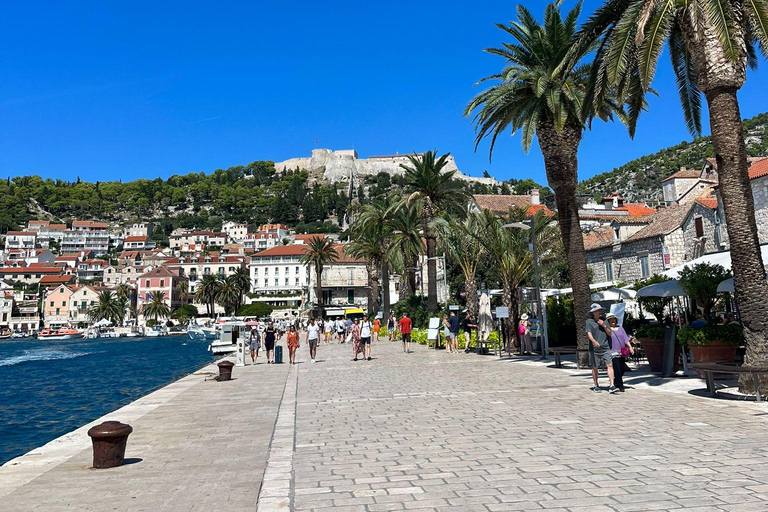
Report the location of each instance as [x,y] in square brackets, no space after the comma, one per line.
[502,312]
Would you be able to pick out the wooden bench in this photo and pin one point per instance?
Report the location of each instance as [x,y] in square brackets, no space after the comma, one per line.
[559,351]
[482,347]
[710,369]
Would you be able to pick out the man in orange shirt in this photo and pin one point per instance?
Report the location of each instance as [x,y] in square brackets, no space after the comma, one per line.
[405,330]
[376,329]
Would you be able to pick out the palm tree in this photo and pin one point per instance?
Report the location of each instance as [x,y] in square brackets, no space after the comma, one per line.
[367,244]
[320,252]
[133,311]
[124,291]
[184,313]
[241,280]
[711,44]
[541,92]
[106,308]
[122,305]
[207,291]
[378,215]
[228,296]
[182,291]
[407,244]
[461,242]
[156,309]
[509,251]
[433,188]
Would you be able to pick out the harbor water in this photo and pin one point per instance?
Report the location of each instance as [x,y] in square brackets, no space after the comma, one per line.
[49,388]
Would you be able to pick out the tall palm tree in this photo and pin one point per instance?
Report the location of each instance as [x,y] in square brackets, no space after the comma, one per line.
[367,244]
[541,92]
[711,43]
[241,280]
[124,291]
[377,216]
[228,296]
[320,252]
[182,291]
[207,291]
[121,311]
[106,308]
[156,309]
[460,241]
[509,250]
[407,243]
[433,188]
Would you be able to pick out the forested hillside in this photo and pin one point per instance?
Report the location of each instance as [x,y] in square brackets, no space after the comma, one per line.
[640,179]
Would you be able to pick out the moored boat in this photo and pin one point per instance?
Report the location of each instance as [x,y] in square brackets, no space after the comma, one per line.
[65,333]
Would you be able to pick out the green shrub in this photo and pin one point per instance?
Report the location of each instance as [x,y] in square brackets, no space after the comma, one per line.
[151,322]
[730,333]
[257,309]
[416,307]
[654,332]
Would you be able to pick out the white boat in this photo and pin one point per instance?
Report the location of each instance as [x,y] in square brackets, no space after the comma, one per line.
[64,333]
[156,331]
[132,334]
[91,334]
[110,334]
[196,332]
[227,342]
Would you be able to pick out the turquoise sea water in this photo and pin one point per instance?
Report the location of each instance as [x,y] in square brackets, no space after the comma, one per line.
[49,388]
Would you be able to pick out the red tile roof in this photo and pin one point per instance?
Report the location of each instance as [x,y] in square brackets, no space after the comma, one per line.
[501,204]
[343,257]
[89,223]
[136,238]
[281,250]
[709,202]
[684,174]
[31,270]
[22,233]
[57,279]
[637,209]
[759,169]
[600,237]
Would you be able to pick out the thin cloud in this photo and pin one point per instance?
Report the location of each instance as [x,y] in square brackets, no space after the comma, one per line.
[202,120]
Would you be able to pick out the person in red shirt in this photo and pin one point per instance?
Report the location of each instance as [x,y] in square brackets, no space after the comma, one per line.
[405,330]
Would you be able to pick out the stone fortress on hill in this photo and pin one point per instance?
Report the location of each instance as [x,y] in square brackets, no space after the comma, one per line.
[342,165]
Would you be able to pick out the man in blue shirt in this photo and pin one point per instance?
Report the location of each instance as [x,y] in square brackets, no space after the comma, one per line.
[453,329]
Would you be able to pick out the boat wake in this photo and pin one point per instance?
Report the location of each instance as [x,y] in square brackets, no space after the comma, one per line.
[41,355]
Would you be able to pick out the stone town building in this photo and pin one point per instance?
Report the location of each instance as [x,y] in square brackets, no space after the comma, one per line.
[114,276]
[25,316]
[145,229]
[31,274]
[671,237]
[345,282]
[758,180]
[197,240]
[197,265]
[687,184]
[137,243]
[82,300]
[91,269]
[500,204]
[6,308]
[236,231]
[266,237]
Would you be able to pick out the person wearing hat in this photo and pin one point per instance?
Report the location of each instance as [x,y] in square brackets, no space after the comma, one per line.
[599,346]
[525,335]
[620,346]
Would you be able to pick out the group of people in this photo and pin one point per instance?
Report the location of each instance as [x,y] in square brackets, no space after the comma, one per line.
[609,344]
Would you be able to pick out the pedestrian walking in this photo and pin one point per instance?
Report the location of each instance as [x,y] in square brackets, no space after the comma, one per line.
[293,343]
[391,326]
[467,325]
[366,331]
[453,332]
[621,347]
[599,346]
[376,329]
[405,330]
[254,344]
[525,335]
[354,333]
[328,328]
[341,329]
[313,336]
[269,342]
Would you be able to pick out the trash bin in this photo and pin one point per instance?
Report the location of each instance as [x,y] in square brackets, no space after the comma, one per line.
[225,370]
[109,440]
[279,354]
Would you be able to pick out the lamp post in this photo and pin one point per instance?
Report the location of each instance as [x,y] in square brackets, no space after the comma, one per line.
[532,248]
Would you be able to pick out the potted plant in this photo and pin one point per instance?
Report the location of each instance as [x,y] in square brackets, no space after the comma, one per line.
[652,339]
[712,343]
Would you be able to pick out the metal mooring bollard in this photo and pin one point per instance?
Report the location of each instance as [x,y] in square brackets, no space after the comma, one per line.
[109,440]
[225,370]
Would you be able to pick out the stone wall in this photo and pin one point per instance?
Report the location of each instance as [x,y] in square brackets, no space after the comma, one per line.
[340,165]
[626,263]
[760,193]
[681,242]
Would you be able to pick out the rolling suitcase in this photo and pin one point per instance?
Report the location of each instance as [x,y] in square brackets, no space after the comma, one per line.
[279,354]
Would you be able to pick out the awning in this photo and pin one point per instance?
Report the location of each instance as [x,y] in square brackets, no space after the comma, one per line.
[666,289]
[722,258]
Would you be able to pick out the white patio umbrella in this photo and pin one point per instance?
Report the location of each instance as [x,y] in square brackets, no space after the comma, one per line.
[725,286]
[614,294]
[102,323]
[484,318]
[670,288]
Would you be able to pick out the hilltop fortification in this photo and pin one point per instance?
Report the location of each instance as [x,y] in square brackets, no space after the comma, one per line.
[340,165]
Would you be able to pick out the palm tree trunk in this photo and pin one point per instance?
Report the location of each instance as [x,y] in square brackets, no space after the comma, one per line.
[410,277]
[319,291]
[385,289]
[431,273]
[749,276]
[374,289]
[561,163]
[471,290]
[507,300]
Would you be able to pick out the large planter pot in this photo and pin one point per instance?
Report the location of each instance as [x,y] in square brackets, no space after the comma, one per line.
[654,351]
[714,352]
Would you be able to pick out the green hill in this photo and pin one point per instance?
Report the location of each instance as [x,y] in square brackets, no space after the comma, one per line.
[640,179]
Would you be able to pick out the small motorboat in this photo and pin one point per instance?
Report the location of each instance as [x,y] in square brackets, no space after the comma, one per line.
[65,333]
[196,332]
[5,334]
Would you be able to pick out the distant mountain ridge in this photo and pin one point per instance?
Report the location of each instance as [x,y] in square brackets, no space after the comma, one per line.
[640,179]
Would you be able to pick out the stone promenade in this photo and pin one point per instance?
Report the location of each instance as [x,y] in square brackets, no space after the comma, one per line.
[426,431]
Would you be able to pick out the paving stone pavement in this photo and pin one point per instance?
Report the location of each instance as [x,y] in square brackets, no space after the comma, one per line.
[426,431]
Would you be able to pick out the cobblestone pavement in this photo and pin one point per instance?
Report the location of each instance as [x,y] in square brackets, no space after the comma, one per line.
[426,431]
[431,431]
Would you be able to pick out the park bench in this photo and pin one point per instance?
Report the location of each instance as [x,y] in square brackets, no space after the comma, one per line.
[559,351]
[708,371]
[482,347]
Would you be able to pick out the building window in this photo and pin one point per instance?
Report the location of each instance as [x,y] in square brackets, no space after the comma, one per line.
[266,271]
[608,270]
[616,234]
[255,271]
[350,296]
[63,303]
[645,265]
[286,281]
[297,270]
[297,282]
[147,284]
[162,283]
[699,227]
[276,283]
[51,303]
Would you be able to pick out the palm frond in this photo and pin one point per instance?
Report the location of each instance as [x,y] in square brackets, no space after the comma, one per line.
[687,86]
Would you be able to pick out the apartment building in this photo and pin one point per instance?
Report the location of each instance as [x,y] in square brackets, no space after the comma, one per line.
[86,235]
[197,240]
[20,240]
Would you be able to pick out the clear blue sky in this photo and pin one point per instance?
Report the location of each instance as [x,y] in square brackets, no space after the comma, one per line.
[108,90]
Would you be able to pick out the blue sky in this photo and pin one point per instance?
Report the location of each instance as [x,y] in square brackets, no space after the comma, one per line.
[122,90]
